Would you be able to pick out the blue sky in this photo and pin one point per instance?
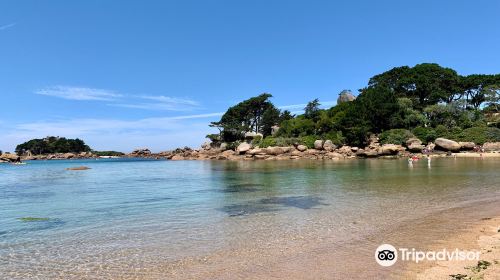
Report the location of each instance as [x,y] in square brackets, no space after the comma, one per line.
[128,74]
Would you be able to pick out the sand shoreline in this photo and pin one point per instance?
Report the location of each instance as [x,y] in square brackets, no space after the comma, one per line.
[483,237]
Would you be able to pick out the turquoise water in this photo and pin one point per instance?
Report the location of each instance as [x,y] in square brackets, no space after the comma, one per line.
[127,218]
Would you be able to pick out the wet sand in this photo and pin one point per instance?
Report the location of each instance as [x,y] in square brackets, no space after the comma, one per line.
[310,257]
[484,237]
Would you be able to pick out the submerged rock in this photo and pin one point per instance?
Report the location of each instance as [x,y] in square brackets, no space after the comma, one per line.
[78,168]
[33,219]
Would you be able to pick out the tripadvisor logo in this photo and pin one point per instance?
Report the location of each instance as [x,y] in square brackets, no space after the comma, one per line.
[387,255]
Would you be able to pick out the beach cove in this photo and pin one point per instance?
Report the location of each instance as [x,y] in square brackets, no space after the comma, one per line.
[150,219]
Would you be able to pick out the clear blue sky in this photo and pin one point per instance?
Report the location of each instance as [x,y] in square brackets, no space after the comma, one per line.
[127,74]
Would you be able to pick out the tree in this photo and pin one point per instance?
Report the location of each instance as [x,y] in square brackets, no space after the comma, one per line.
[285,115]
[425,84]
[52,144]
[270,118]
[492,98]
[247,116]
[311,111]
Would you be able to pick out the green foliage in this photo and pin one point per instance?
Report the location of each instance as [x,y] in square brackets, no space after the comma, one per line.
[311,111]
[213,137]
[256,114]
[277,141]
[425,134]
[395,136]
[108,153]
[441,131]
[308,140]
[427,99]
[336,137]
[51,145]
[267,142]
[296,127]
[478,135]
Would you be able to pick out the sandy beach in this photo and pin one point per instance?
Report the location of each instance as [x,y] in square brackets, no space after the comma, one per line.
[485,237]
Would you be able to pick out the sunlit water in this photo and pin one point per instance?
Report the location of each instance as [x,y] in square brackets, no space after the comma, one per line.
[168,219]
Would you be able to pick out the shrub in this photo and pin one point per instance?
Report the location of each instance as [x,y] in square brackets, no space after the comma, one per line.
[308,140]
[441,131]
[426,134]
[336,137]
[478,135]
[233,145]
[395,136]
[268,141]
[286,141]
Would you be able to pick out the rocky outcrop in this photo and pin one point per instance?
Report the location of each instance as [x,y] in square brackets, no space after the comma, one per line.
[346,151]
[143,152]
[10,157]
[447,145]
[413,141]
[206,145]
[491,146]
[368,153]
[223,146]
[318,144]
[416,148]
[302,148]
[329,146]
[389,149]
[345,96]
[414,145]
[243,148]
[467,145]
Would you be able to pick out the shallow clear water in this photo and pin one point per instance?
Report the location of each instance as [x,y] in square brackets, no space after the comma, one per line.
[140,218]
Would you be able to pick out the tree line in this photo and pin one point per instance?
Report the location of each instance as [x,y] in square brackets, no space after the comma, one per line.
[426,100]
[51,145]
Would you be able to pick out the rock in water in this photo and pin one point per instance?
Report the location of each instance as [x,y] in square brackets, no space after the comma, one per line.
[78,168]
[447,145]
